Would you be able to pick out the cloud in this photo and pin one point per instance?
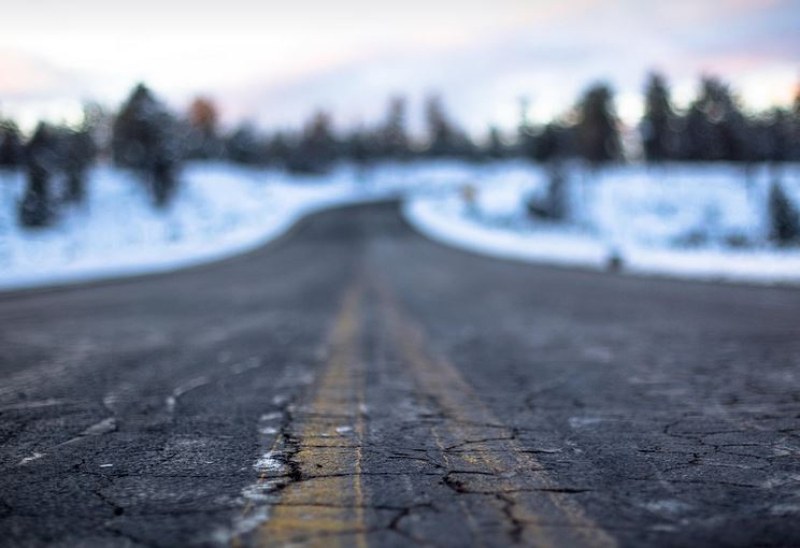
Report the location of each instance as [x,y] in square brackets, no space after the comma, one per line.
[548,60]
[482,55]
[24,76]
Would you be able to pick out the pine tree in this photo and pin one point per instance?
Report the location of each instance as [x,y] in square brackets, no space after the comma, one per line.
[392,136]
[445,139]
[784,220]
[495,148]
[245,146]
[79,150]
[697,136]
[145,138]
[598,135]
[554,205]
[715,128]
[550,145]
[12,150]
[440,132]
[37,209]
[318,147]
[658,121]
[527,138]
[360,147]
[279,149]
[775,137]
[794,129]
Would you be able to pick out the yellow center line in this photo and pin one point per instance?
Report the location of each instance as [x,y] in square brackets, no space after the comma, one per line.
[361,538]
[325,505]
[491,461]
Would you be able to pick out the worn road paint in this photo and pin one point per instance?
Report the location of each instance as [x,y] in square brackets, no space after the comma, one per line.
[323,503]
[482,453]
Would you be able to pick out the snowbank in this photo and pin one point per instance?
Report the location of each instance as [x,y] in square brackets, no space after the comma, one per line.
[221,210]
[701,222]
[684,221]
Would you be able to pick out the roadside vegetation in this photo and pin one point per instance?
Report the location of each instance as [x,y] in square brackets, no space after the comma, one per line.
[149,140]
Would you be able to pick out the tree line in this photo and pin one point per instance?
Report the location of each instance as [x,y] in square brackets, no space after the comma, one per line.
[145,136]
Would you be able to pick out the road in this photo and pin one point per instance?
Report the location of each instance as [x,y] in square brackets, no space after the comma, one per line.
[356,384]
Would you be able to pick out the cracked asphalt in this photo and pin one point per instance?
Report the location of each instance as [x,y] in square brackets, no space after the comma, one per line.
[355,384]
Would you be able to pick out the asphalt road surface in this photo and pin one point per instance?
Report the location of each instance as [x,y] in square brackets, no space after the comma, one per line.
[356,384]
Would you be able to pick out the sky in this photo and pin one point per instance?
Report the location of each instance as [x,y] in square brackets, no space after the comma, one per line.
[276,62]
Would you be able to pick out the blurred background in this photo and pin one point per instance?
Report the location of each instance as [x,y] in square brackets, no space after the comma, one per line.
[651,136]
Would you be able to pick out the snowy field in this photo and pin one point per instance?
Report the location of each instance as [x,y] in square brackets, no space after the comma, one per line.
[220,210]
[703,222]
[700,222]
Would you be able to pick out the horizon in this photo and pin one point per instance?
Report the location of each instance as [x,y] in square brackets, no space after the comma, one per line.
[276,66]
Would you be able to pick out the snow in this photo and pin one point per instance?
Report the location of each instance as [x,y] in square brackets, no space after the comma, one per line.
[221,210]
[448,222]
[702,222]
[268,463]
[688,221]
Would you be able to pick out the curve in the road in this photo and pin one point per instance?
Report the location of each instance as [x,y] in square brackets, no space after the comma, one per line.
[356,384]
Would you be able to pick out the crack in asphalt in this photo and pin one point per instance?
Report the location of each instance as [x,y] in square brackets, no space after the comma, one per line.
[665,414]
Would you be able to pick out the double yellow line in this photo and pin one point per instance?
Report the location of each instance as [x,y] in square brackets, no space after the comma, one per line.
[325,504]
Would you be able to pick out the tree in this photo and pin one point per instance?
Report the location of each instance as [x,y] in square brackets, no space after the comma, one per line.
[784,220]
[796,106]
[318,148]
[658,121]
[360,147]
[145,138]
[715,128]
[554,205]
[444,138]
[78,150]
[203,115]
[203,138]
[794,130]
[392,136]
[495,148]
[526,132]
[771,136]
[36,209]
[554,143]
[12,150]
[697,140]
[279,149]
[597,131]
[245,146]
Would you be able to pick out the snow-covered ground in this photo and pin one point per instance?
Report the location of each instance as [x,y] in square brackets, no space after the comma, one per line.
[703,222]
[688,221]
[221,210]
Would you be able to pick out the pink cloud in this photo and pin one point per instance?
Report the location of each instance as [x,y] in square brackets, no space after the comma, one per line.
[22,75]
